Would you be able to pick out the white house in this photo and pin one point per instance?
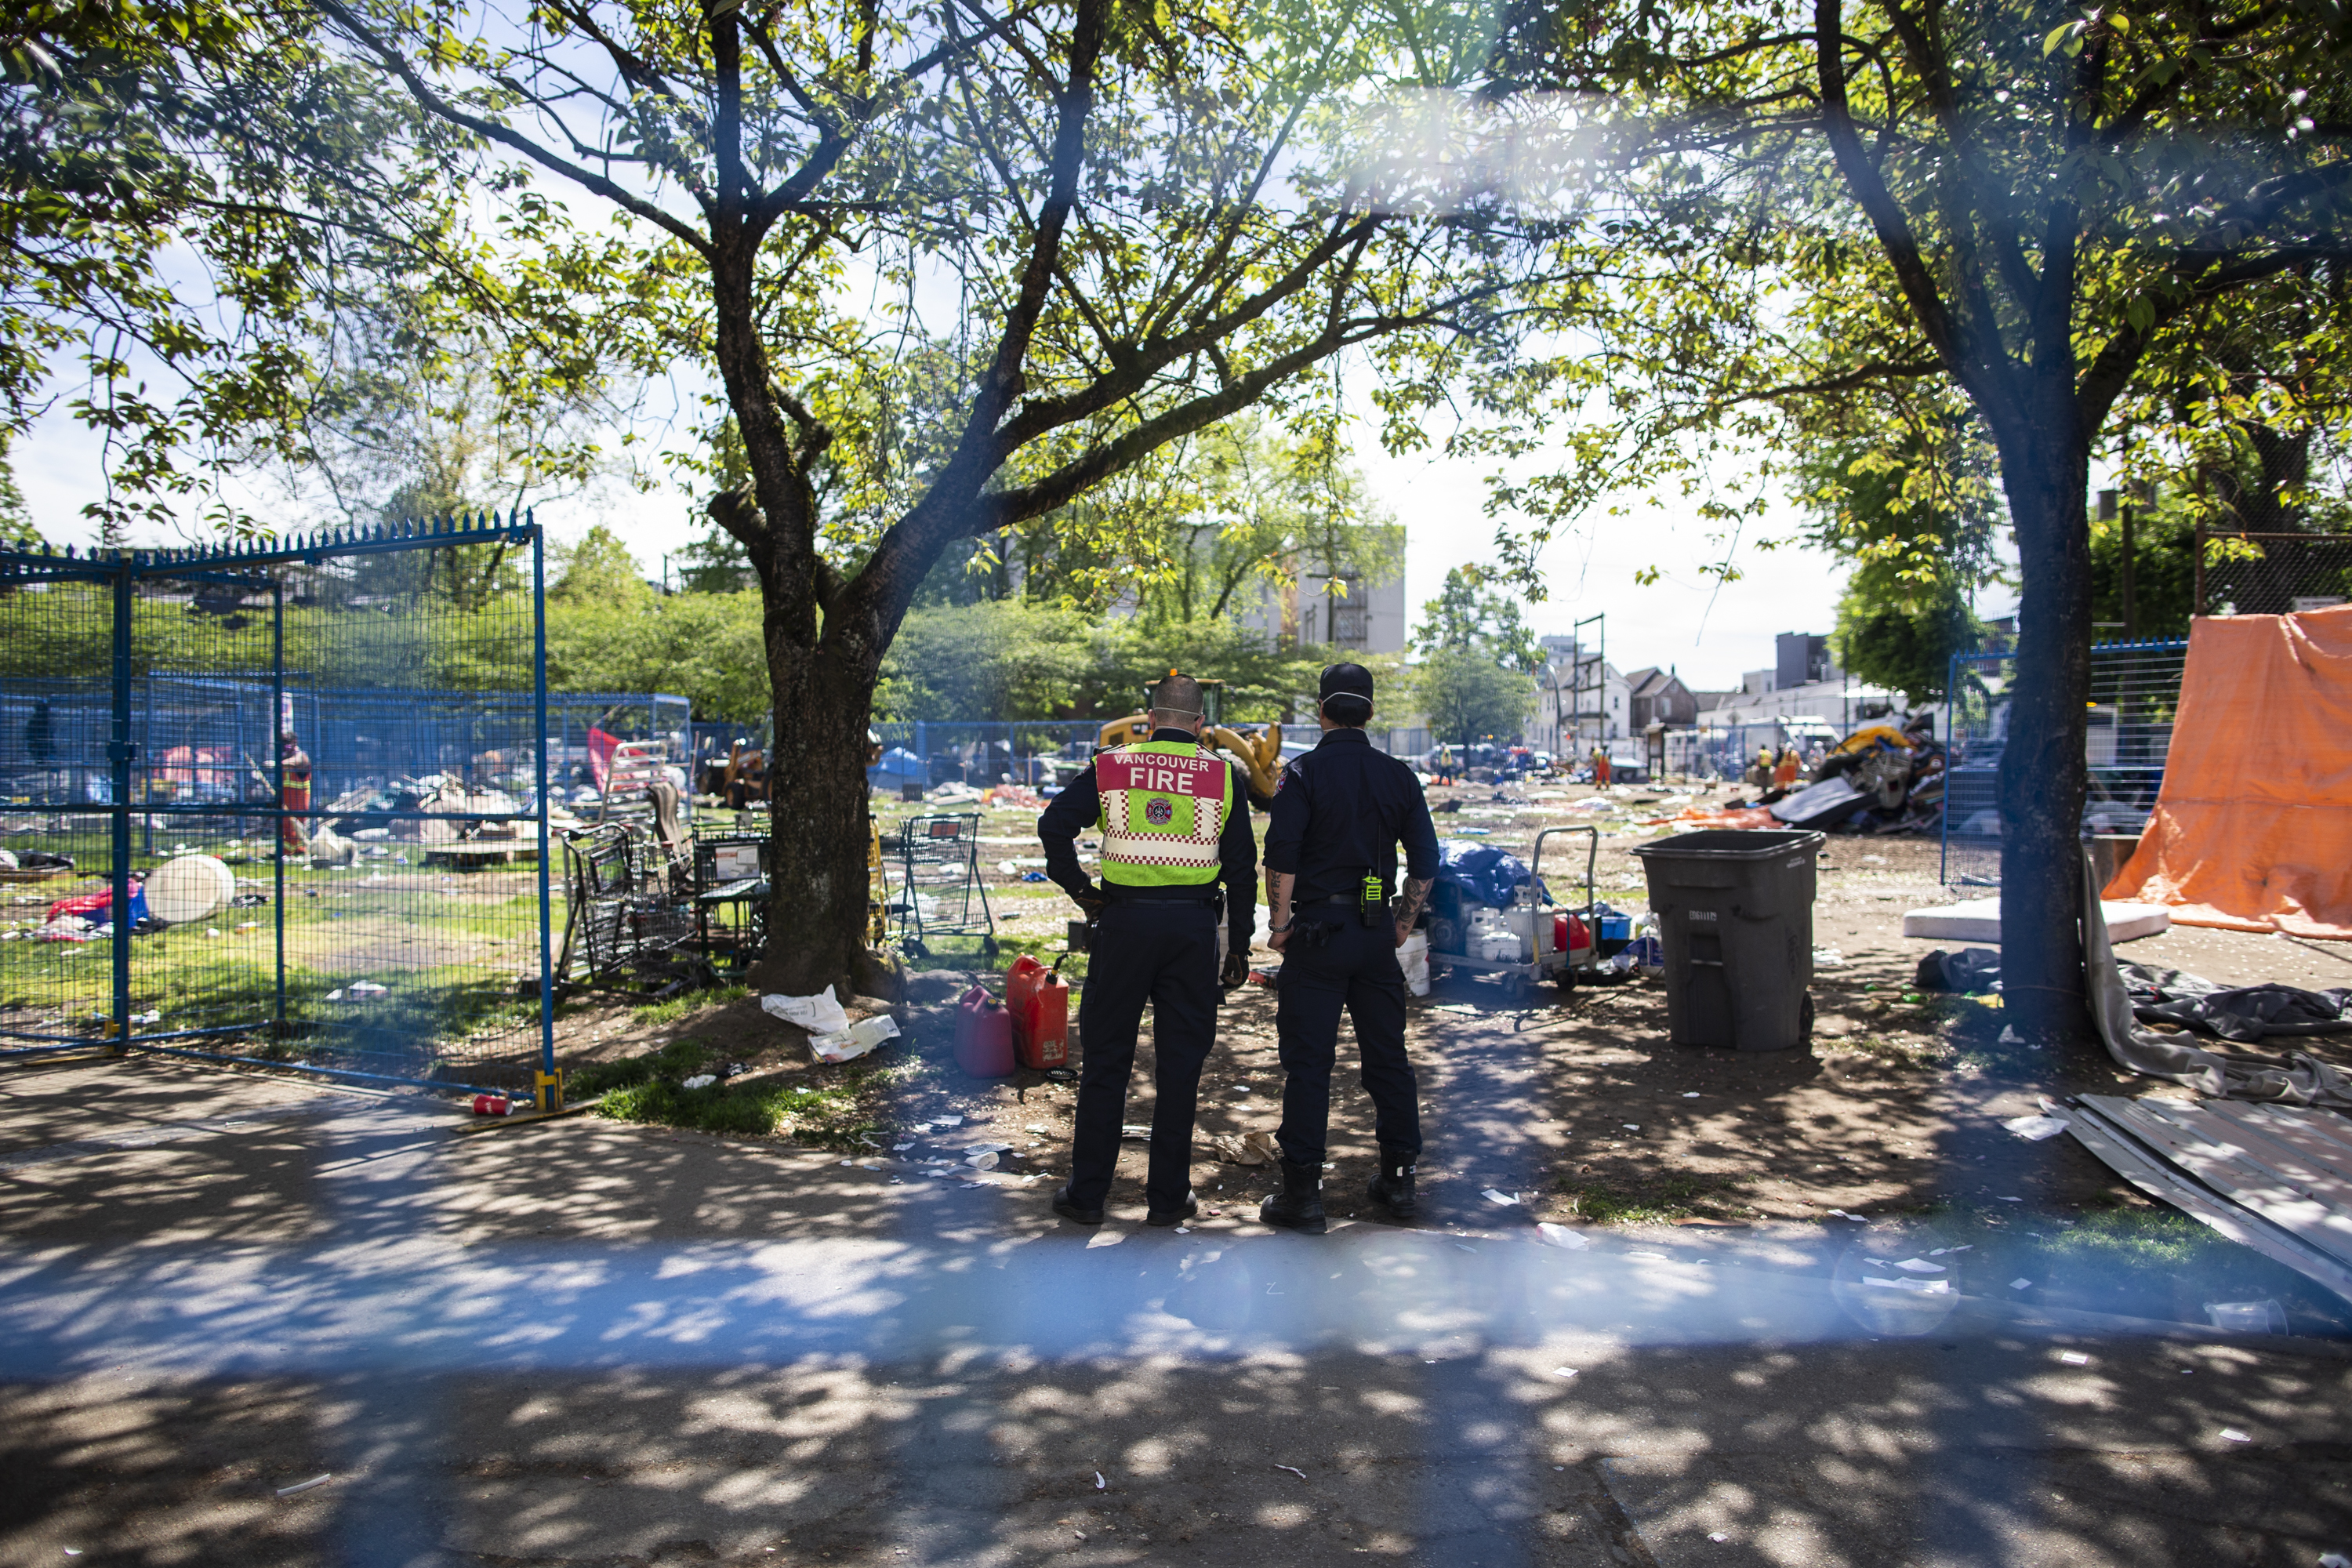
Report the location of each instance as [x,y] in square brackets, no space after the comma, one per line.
[1566,720]
[1802,684]
[1362,618]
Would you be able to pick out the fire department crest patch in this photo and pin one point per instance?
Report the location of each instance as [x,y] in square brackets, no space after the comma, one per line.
[1159,811]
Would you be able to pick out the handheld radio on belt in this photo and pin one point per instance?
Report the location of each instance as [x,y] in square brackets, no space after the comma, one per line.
[1372,904]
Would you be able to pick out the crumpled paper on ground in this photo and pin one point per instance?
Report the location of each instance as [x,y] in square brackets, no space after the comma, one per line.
[1245,1148]
[841,1045]
[819,1015]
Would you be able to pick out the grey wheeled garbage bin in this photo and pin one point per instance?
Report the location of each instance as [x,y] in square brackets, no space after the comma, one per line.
[1736,915]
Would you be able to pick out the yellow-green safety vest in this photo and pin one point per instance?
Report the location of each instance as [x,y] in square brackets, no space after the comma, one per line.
[1164,806]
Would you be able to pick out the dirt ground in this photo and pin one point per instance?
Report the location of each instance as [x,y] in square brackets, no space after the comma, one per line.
[1893,1107]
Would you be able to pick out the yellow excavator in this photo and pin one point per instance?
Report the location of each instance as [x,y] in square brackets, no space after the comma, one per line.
[1257,752]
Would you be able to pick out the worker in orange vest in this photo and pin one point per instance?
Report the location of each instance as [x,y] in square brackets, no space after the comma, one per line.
[1784,772]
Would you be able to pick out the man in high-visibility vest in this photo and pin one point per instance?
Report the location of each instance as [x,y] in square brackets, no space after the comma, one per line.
[1174,822]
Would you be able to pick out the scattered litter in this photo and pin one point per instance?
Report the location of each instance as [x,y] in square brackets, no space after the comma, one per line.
[2074,1358]
[1941,1251]
[1690,1094]
[2329,1559]
[982,1159]
[949,1121]
[1293,1470]
[843,1044]
[305,1485]
[1101,1484]
[1563,1371]
[1874,860]
[2009,1200]
[2021,1283]
[1552,1235]
[1459,1247]
[1246,1148]
[1658,1256]
[1855,1217]
[902,1148]
[1717,1535]
[969,1187]
[2232,1435]
[2035,1129]
[1133,1133]
[819,1014]
[1924,1286]
[699,1081]
[366,988]
[1828,958]
[1630,1126]
[1241,1089]
[1183,1230]
[1920,1265]
[1495,1195]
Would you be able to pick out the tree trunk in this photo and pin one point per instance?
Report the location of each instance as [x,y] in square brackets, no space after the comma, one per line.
[818,874]
[2043,775]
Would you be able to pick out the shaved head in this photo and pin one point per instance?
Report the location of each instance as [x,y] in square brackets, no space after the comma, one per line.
[1178,699]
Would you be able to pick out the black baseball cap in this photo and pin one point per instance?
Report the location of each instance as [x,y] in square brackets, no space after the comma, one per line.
[1352,682]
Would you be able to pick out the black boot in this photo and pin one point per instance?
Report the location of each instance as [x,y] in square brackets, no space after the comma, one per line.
[1392,1188]
[1300,1204]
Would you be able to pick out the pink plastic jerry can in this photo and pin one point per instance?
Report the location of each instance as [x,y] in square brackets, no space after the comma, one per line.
[983,1037]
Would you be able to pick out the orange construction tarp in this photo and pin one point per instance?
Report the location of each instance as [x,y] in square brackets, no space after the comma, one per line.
[2252,829]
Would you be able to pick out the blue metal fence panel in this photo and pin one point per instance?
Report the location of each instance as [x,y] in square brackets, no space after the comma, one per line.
[155,746]
[2135,696]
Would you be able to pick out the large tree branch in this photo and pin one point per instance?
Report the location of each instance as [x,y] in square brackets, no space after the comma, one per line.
[1004,379]
[1964,358]
[434,103]
[1144,360]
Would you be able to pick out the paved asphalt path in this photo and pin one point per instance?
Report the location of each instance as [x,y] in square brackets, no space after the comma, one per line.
[580,1343]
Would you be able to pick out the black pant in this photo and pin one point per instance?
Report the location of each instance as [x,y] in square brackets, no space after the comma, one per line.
[1355,967]
[1166,954]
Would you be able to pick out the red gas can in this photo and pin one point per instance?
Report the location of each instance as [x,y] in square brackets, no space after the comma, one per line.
[983,1038]
[1568,933]
[1049,1025]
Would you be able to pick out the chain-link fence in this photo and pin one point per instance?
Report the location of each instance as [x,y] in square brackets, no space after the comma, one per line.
[2134,694]
[2272,574]
[281,803]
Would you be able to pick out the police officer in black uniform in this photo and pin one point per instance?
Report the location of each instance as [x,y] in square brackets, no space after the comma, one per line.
[1340,813]
[1156,944]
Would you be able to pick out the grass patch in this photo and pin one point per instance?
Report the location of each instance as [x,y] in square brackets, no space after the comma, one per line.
[650,1088]
[672,1009]
[1659,1203]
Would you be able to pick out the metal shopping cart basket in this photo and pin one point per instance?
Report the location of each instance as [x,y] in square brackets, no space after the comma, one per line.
[939,891]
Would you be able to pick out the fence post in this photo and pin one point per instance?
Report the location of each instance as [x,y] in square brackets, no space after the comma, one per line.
[1944,849]
[119,755]
[550,1097]
[279,713]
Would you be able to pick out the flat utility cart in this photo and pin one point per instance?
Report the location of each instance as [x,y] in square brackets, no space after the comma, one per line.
[1476,937]
[940,893]
[731,898]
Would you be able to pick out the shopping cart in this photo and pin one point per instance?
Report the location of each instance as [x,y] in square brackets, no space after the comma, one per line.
[628,918]
[939,888]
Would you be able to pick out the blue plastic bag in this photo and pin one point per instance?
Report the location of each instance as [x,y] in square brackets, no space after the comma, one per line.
[1485,874]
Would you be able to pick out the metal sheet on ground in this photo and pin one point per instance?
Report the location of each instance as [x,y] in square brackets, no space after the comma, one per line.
[2097,1128]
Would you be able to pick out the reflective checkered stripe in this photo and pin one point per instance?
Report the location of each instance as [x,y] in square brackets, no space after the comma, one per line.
[1164,806]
